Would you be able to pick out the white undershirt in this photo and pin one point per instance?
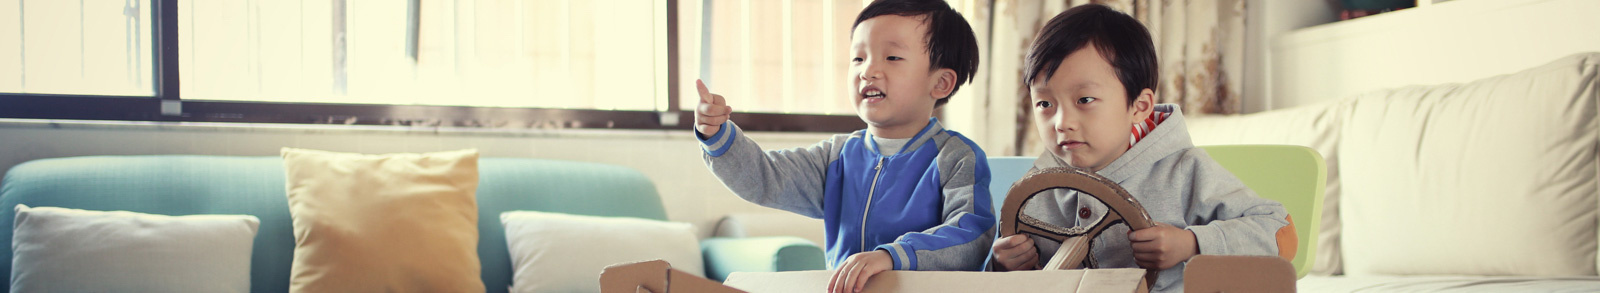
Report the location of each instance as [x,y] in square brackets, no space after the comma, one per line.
[890,146]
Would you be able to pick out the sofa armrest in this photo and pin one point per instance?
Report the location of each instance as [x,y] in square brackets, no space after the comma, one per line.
[724,256]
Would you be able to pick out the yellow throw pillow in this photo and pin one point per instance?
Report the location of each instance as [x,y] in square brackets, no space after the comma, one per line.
[383,223]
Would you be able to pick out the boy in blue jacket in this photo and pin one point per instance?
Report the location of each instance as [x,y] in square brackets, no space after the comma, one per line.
[903,194]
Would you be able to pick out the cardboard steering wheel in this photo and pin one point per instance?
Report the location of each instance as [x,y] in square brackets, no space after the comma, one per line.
[1075,241]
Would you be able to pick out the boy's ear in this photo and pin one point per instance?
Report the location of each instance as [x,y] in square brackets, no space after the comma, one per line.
[944,82]
[1143,105]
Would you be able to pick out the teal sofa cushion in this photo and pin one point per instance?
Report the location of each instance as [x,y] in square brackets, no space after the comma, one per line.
[725,256]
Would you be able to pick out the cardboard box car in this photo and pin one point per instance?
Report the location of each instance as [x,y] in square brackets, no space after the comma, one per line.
[1204,274]
[658,276]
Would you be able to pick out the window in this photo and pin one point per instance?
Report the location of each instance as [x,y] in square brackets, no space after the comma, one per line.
[448,63]
[785,56]
[485,53]
[76,47]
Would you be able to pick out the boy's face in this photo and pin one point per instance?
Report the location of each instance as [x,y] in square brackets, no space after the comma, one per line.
[1082,112]
[893,89]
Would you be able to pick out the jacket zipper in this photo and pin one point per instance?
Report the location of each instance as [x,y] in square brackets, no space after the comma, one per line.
[870,191]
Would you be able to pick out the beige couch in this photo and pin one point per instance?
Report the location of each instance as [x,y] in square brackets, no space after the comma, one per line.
[1489,185]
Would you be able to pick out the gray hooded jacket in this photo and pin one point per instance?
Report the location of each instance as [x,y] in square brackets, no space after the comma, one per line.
[1178,185]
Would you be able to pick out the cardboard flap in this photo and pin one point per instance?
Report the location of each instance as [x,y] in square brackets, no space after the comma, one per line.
[680,281]
[1095,280]
[648,276]
[1124,280]
[655,276]
[1236,273]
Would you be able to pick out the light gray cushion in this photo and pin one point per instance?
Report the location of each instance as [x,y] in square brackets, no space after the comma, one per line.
[1494,177]
[71,250]
[556,252]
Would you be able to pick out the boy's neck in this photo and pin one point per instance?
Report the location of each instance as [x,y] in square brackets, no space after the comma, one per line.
[898,131]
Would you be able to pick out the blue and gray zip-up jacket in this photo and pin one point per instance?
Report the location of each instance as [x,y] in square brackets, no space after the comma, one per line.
[926,205]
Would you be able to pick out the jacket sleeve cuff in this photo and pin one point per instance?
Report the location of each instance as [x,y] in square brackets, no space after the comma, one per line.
[718,143]
[1209,240]
[905,258]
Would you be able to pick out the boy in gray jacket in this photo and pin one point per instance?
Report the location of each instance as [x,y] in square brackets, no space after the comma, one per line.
[1092,75]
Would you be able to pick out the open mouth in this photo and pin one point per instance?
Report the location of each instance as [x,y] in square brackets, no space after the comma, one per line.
[872,94]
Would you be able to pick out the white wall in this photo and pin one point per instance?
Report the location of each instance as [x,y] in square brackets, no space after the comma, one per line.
[1268,20]
[669,158]
[1456,41]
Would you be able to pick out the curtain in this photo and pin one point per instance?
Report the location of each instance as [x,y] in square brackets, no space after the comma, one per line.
[1199,45]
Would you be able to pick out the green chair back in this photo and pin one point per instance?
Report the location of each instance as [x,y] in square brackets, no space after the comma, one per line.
[1292,175]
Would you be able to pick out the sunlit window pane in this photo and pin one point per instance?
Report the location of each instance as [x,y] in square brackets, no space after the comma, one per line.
[492,53]
[91,47]
[770,56]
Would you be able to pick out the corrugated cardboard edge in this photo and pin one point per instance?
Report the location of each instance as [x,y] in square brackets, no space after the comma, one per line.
[1104,280]
[1094,280]
[1235,273]
[655,276]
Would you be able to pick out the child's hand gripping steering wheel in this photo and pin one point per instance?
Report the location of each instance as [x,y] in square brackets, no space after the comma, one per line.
[1074,240]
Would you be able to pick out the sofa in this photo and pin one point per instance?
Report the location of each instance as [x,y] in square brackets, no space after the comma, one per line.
[188,185]
[1489,185]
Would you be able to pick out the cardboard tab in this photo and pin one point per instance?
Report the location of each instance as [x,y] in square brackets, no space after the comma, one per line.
[1109,280]
[1235,273]
[655,276]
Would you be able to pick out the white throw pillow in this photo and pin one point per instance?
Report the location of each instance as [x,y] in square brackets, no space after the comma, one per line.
[554,252]
[71,250]
[1493,177]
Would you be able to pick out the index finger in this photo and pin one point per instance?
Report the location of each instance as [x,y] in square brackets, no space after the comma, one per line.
[849,280]
[833,281]
[1013,241]
[705,94]
[1142,235]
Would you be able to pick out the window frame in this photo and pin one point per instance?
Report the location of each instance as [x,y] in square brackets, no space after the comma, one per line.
[167,104]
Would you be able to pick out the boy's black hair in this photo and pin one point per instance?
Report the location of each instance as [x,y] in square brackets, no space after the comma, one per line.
[950,40]
[1122,40]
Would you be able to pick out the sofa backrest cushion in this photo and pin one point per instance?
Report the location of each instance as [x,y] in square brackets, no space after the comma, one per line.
[190,185]
[1492,177]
